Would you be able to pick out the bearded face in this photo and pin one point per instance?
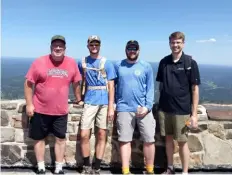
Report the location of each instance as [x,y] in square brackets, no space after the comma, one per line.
[132,52]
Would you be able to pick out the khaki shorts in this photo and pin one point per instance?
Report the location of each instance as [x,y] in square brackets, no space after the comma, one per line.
[94,114]
[171,124]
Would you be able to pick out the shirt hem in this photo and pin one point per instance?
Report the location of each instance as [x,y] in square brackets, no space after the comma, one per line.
[51,114]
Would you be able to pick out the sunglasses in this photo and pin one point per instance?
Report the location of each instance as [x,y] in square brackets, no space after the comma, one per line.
[132,49]
[96,45]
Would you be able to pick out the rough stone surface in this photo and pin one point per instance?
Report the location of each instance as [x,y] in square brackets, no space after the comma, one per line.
[196,160]
[219,112]
[22,108]
[10,154]
[229,134]
[217,151]
[4,118]
[210,144]
[217,129]
[7,135]
[9,106]
[202,114]
[194,143]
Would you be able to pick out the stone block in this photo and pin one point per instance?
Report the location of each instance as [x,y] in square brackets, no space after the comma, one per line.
[29,158]
[9,105]
[21,136]
[7,135]
[229,134]
[202,114]
[21,121]
[108,152]
[217,129]
[219,112]
[228,125]
[75,117]
[72,137]
[22,108]
[73,153]
[194,143]
[71,127]
[75,110]
[10,154]
[195,161]
[4,118]
[217,151]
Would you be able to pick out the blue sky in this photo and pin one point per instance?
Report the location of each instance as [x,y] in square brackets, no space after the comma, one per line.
[27,27]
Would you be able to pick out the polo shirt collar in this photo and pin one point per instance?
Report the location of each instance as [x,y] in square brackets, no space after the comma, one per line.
[181,58]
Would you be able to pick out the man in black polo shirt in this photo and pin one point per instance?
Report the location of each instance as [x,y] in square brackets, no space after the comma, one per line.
[179,78]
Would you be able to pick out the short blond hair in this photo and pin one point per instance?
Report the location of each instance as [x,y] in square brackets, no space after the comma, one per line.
[177,35]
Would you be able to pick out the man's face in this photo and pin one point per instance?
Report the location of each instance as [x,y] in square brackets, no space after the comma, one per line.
[94,47]
[58,50]
[176,45]
[132,52]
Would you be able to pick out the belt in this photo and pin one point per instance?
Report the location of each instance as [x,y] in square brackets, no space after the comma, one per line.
[96,87]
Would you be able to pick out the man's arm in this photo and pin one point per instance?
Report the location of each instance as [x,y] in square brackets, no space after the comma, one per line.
[195,99]
[77,91]
[195,81]
[150,88]
[77,78]
[28,92]
[111,93]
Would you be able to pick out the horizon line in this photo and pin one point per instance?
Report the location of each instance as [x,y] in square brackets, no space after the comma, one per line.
[14,57]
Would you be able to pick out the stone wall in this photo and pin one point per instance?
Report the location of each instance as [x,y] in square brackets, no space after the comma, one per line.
[210,145]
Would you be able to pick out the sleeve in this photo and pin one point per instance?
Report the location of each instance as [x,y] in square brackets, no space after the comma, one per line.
[32,74]
[150,88]
[79,63]
[77,75]
[159,76]
[110,70]
[195,74]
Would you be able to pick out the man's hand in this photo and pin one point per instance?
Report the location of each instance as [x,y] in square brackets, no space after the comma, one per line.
[141,111]
[30,110]
[110,114]
[194,121]
[81,103]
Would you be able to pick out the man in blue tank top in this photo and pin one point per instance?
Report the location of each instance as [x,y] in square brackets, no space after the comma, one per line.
[134,101]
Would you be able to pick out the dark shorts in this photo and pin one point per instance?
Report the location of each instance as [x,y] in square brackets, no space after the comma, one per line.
[41,125]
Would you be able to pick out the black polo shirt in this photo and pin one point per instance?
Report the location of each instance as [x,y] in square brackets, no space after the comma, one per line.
[177,80]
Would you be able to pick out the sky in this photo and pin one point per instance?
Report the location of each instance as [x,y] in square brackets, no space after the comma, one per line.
[27,27]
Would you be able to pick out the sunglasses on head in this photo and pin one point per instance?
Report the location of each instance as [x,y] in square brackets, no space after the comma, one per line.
[132,49]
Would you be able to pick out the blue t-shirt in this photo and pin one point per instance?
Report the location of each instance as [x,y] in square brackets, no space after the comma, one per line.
[134,85]
[97,97]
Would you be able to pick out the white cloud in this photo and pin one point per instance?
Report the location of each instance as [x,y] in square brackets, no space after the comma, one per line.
[211,40]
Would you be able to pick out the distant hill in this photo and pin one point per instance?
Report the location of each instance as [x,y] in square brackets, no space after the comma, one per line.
[216,80]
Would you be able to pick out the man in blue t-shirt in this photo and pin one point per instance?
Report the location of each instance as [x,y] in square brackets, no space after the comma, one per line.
[98,76]
[134,101]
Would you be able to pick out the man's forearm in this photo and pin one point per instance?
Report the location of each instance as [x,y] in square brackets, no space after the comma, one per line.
[28,92]
[195,99]
[111,93]
[77,91]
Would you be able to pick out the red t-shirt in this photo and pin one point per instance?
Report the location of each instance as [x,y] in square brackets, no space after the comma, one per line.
[52,84]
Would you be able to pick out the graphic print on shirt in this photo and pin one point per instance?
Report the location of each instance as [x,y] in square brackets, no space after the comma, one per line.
[56,72]
[137,72]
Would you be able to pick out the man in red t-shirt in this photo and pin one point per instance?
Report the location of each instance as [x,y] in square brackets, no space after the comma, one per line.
[51,76]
